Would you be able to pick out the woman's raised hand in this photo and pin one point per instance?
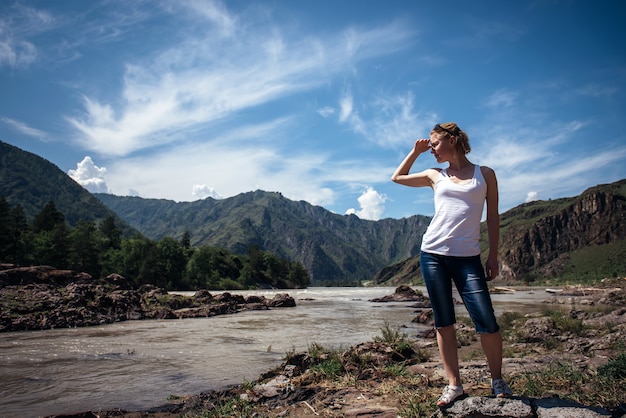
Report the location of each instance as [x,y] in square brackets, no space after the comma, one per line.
[422,145]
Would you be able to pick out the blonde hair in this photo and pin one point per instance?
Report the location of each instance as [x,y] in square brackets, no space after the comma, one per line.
[451,129]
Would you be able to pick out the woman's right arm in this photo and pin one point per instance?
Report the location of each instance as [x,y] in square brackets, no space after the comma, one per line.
[421,179]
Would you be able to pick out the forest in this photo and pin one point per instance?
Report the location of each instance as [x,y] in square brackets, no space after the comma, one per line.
[100,250]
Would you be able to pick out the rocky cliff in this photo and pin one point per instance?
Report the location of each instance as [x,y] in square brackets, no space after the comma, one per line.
[543,247]
[578,237]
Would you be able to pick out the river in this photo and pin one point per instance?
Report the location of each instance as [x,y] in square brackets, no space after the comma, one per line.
[135,365]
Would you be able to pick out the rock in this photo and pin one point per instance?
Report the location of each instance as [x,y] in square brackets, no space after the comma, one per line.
[228,297]
[480,406]
[41,297]
[282,300]
[278,385]
[255,307]
[486,407]
[424,317]
[118,281]
[192,312]
[371,412]
[537,330]
[402,294]
[203,295]
[556,407]
[256,299]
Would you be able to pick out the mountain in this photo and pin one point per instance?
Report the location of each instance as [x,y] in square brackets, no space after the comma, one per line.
[571,238]
[31,181]
[334,248]
[581,237]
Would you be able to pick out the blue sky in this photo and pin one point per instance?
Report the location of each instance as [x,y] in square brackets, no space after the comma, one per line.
[319,100]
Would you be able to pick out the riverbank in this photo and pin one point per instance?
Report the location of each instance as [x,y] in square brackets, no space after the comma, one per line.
[556,358]
[42,297]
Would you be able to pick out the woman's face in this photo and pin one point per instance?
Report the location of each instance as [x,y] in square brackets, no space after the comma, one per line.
[441,147]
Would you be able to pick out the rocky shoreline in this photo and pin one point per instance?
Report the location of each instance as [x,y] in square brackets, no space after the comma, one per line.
[42,297]
[559,362]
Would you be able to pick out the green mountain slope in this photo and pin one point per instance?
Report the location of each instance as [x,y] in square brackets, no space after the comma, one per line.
[31,181]
[333,248]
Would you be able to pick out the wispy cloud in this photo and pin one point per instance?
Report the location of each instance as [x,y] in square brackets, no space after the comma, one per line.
[326,111]
[213,11]
[25,129]
[227,167]
[203,80]
[501,98]
[397,122]
[536,162]
[17,48]
[346,106]
[597,90]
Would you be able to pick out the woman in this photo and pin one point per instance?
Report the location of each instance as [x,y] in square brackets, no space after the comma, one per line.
[451,249]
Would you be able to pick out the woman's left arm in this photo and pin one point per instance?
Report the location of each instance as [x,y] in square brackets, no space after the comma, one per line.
[493,223]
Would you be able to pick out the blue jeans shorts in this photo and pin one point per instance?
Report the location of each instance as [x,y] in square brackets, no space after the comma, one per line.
[469,278]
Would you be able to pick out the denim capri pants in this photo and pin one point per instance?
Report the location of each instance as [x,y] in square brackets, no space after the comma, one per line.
[469,277]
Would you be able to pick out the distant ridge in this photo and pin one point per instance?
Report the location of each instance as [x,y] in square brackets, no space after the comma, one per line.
[334,248]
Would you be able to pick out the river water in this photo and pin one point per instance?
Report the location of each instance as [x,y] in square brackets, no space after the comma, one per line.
[135,365]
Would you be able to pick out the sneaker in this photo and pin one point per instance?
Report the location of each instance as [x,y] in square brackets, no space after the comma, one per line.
[501,389]
[449,394]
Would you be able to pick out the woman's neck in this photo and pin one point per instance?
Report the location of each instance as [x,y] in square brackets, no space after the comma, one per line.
[459,164]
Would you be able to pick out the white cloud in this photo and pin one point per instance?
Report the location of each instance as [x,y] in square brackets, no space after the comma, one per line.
[228,165]
[397,123]
[372,205]
[348,115]
[213,11]
[541,159]
[90,176]
[17,50]
[169,175]
[326,111]
[202,191]
[25,129]
[532,196]
[501,98]
[207,77]
[17,53]
[346,104]
[597,90]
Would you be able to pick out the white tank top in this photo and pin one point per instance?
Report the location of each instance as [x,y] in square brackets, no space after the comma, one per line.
[455,228]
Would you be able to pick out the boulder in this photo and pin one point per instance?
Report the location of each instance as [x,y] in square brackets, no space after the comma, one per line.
[402,294]
[281,300]
[522,407]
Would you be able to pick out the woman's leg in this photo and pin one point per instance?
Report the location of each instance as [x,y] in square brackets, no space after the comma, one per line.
[492,346]
[439,287]
[446,340]
[469,278]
